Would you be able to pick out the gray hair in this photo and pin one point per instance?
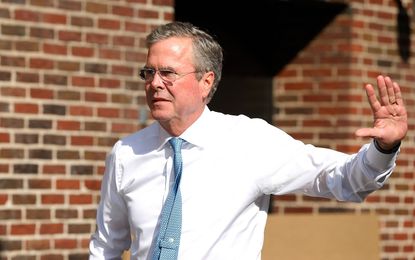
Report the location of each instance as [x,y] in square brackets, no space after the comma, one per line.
[208,54]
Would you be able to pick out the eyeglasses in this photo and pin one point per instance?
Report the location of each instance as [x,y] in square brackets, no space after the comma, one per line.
[147,74]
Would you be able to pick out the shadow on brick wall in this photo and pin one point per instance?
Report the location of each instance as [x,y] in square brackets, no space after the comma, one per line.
[404,32]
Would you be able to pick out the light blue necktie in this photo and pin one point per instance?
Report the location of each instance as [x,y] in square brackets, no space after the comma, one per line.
[168,240]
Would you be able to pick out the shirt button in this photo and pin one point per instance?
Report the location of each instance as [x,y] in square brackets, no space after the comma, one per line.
[171,240]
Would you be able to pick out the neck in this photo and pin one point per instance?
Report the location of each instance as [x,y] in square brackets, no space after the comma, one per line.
[177,126]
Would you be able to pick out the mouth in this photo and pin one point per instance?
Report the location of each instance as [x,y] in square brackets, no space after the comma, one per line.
[159,99]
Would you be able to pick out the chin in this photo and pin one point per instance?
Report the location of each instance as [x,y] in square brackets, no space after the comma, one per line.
[160,115]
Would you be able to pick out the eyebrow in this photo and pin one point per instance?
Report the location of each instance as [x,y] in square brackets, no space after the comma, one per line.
[161,68]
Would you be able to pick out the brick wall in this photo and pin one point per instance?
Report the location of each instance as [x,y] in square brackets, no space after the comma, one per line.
[69,89]
[320,99]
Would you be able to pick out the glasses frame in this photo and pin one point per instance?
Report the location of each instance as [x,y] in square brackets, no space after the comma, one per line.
[161,72]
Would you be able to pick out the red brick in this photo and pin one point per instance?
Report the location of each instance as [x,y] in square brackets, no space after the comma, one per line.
[135,56]
[23,229]
[163,2]
[83,81]
[123,11]
[122,70]
[3,199]
[12,61]
[51,228]
[80,111]
[41,93]
[59,49]
[109,83]
[3,230]
[68,184]
[83,51]
[68,65]
[40,184]
[96,8]
[148,14]
[82,140]
[123,128]
[110,54]
[69,125]
[27,46]
[123,41]
[109,112]
[53,199]
[54,18]
[130,113]
[41,63]
[26,108]
[135,27]
[69,36]
[392,199]
[109,24]
[38,214]
[97,38]
[39,244]
[96,97]
[26,77]
[65,243]
[80,199]
[318,98]
[303,210]
[93,184]
[12,92]
[44,3]
[4,138]
[70,5]
[53,169]
[298,86]
[26,15]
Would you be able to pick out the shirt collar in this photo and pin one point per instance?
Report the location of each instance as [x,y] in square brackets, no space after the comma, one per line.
[196,134]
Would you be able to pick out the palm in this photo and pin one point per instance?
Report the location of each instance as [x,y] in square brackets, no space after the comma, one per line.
[390,117]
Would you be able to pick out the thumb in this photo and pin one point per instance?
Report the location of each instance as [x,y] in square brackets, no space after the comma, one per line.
[367,132]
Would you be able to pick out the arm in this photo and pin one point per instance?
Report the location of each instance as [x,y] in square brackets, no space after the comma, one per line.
[112,236]
[327,173]
[376,161]
[389,128]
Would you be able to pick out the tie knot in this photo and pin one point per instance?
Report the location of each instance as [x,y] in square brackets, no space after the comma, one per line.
[176,144]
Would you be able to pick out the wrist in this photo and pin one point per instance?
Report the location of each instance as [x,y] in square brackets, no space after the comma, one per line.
[387,149]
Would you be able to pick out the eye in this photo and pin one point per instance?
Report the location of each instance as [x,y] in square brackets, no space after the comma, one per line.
[168,74]
[147,73]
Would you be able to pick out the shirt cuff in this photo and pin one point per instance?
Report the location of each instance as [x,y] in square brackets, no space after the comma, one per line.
[380,149]
[380,160]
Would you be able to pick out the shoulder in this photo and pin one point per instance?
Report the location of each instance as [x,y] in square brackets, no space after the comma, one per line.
[143,139]
[242,123]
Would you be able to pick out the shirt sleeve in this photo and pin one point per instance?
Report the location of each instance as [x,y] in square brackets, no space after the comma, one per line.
[112,236]
[357,176]
[290,166]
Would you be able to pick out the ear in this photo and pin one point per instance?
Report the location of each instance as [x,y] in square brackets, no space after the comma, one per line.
[206,83]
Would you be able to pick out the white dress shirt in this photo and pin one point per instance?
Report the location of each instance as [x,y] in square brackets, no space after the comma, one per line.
[231,164]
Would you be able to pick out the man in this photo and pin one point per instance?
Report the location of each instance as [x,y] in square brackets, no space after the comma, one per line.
[230,164]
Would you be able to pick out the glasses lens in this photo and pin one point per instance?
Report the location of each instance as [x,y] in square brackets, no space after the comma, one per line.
[147,74]
[168,75]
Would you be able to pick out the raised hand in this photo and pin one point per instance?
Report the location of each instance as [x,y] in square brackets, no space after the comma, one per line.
[390,118]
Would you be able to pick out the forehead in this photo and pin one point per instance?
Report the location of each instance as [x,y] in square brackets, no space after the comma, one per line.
[174,51]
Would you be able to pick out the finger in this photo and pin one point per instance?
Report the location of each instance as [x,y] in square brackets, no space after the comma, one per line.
[383,93]
[390,89]
[371,96]
[387,93]
[398,94]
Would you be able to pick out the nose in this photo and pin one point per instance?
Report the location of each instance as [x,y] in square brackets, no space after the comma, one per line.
[157,82]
